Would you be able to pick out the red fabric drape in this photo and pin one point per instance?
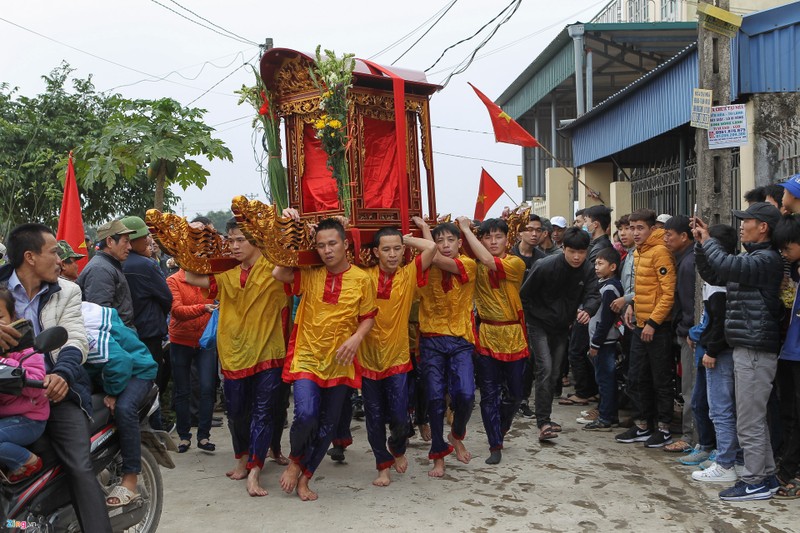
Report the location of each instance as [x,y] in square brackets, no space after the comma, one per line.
[318,185]
[70,220]
[381,184]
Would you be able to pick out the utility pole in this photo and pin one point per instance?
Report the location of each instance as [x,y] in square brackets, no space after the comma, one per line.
[266,46]
[714,183]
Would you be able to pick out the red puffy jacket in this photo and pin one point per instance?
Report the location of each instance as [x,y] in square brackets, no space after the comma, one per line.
[188,317]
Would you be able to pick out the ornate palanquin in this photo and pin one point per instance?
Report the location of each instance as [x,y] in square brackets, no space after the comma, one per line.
[376,186]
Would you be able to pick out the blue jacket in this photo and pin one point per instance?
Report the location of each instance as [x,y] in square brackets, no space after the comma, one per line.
[152,299]
[791,346]
[115,352]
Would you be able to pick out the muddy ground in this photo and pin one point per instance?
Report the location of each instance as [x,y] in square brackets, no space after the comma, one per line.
[583,482]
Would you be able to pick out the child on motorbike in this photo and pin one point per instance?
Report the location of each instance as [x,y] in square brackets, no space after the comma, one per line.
[121,365]
[22,418]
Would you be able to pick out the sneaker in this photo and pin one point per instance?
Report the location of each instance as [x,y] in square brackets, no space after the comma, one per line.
[695,457]
[358,407]
[773,484]
[715,473]
[593,413]
[744,492]
[596,425]
[588,417]
[658,439]
[634,434]
[712,458]
[525,411]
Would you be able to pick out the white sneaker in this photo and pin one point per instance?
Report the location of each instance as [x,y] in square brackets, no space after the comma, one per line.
[715,473]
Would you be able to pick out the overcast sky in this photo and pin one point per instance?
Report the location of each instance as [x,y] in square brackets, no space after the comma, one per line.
[143,36]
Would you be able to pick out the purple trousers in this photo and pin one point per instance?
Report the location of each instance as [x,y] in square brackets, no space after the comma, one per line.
[386,402]
[316,413]
[447,367]
[251,405]
[498,409]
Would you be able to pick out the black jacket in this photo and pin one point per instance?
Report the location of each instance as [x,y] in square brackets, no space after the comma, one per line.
[754,309]
[554,291]
[152,299]
[683,309]
[104,283]
[529,260]
[595,246]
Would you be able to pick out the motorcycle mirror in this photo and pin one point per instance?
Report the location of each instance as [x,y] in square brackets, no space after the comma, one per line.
[50,339]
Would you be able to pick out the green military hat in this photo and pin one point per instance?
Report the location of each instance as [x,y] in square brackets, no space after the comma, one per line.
[65,251]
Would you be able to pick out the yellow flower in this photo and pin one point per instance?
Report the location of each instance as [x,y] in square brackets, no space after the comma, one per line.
[327,94]
[324,117]
[335,124]
[319,124]
[333,134]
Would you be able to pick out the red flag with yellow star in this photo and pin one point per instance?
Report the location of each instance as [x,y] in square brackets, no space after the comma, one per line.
[506,129]
[488,193]
[70,219]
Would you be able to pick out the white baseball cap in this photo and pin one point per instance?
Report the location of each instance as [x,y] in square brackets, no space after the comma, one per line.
[561,222]
[663,218]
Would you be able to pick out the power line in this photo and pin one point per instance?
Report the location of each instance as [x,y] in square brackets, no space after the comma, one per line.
[203,25]
[234,71]
[202,68]
[407,35]
[426,32]
[463,130]
[231,120]
[471,36]
[523,38]
[463,67]
[215,25]
[477,159]
[94,55]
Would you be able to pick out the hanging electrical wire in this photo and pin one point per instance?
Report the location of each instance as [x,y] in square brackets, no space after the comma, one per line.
[245,41]
[471,36]
[463,67]
[215,25]
[477,159]
[234,71]
[202,68]
[407,35]
[426,32]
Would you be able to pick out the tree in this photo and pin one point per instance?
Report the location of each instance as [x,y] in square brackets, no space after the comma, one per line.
[218,218]
[160,135]
[36,135]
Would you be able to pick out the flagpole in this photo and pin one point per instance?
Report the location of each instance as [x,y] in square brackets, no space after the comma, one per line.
[569,169]
[509,196]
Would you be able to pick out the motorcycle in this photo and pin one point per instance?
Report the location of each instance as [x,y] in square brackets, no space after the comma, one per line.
[41,503]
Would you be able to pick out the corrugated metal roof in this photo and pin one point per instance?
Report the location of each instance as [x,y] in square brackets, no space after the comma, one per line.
[639,112]
[769,51]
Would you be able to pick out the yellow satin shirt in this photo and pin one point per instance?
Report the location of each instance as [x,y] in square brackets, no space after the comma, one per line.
[445,306]
[501,333]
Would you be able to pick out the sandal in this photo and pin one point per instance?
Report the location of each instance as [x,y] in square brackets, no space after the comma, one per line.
[573,400]
[555,427]
[789,490]
[207,446]
[546,433]
[565,382]
[122,495]
[25,471]
[680,446]
[184,446]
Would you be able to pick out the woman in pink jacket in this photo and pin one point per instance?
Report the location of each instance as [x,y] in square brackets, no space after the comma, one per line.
[22,418]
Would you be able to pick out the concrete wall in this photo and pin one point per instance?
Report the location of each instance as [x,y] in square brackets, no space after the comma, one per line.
[620,199]
[558,185]
[598,177]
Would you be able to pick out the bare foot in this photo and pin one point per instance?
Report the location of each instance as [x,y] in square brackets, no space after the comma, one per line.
[254,487]
[239,471]
[425,432]
[400,464]
[289,477]
[383,478]
[304,492]
[461,451]
[438,468]
[280,458]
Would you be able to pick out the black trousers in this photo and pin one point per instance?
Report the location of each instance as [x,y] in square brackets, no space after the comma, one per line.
[68,429]
[582,369]
[789,386]
[653,366]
